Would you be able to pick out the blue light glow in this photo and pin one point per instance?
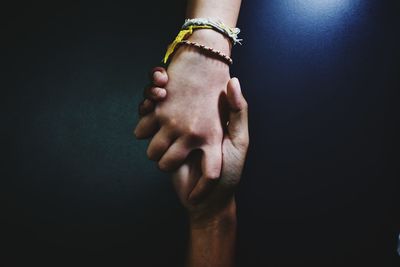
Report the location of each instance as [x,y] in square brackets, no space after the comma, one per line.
[319,12]
[323,7]
[308,23]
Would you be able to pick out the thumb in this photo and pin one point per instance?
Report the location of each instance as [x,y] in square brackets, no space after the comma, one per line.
[238,114]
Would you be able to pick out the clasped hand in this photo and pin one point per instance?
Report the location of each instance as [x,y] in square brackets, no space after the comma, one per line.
[192,136]
[201,196]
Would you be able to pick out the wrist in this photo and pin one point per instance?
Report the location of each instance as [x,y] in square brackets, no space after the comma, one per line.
[196,58]
[223,217]
[212,38]
[213,243]
[193,65]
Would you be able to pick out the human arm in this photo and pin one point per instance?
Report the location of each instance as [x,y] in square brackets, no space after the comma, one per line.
[189,119]
[213,217]
[213,244]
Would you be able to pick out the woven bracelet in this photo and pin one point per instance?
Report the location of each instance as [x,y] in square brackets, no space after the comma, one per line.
[219,26]
[210,50]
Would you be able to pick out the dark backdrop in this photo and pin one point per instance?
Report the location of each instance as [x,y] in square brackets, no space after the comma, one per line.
[320,185]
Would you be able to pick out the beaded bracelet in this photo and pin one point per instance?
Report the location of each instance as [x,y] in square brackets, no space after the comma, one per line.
[210,50]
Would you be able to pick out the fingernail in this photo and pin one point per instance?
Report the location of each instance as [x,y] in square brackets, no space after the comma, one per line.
[237,83]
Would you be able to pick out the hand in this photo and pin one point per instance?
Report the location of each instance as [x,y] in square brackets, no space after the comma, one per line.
[216,201]
[190,117]
[220,198]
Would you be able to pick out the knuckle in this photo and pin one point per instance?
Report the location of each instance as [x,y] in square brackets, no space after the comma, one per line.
[209,136]
[173,123]
[193,133]
[204,133]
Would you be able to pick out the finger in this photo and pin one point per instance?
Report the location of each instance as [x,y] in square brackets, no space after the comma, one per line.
[175,156]
[211,169]
[146,127]
[186,176]
[159,144]
[146,107]
[182,181]
[160,77]
[238,113]
[155,93]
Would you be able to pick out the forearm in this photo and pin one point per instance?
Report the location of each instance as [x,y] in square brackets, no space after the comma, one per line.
[225,10]
[212,243]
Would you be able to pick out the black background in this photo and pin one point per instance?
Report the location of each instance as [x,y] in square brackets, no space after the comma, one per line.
[320,185]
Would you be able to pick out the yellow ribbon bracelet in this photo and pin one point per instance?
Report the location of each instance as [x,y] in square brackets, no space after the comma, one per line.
[182,35]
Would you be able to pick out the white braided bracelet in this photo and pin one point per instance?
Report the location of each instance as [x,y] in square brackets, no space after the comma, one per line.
[231,33]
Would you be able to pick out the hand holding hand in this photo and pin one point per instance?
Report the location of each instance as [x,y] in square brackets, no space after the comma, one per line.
[190,117]
[208,201]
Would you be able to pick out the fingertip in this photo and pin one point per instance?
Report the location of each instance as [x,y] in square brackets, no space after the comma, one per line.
[160,77]
[158,93]
[234,93]
[162,92]
[138,134]
[146,127]
[236,84]
[156,75]
[135,133]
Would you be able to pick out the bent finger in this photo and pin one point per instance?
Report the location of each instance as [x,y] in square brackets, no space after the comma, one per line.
[187,175]
[147,106]
[211,170]
[155,93]
[159,144]
[175,156]
[158,76]
[146,127]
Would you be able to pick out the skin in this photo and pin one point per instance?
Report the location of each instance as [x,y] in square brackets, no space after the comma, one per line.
[213,217]
[181,124]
